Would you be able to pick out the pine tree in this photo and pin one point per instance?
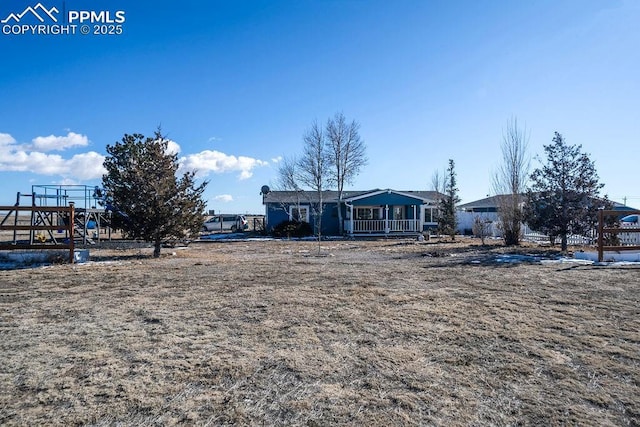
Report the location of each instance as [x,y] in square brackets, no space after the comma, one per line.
[150,202]
[447,222]
[564,196]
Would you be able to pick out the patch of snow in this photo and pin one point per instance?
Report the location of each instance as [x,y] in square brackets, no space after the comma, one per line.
[609,256]
[81,255]
[517,258]
[565,260]
[222,236]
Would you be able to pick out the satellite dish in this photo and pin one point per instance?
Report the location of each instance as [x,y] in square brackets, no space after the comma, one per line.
[265,190]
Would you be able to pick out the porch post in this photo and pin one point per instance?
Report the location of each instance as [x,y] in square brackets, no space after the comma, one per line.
[421,218]
[415,219]
[386,219]
[351,217]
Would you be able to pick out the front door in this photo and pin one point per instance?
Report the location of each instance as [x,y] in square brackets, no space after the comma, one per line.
[398,212]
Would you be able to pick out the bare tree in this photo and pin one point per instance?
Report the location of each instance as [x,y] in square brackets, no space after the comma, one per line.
[287,171]
[347,153]
[438,182]
[481,227]
[287,180]
[510,180]
[313,170]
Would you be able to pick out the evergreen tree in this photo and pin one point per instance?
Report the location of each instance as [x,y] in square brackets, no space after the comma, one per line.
[447,222]
[564,195]
[150,202]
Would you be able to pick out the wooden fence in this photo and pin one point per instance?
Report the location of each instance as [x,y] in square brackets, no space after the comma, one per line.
[602,230]
[46,219]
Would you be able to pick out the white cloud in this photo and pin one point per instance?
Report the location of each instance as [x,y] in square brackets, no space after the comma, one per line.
[86,165]
[14,157]
[59,143]
[6,139]
[172,147]
[218,162]
[7,146]
[81,166]
[276,160]
[224,198]
[66,181]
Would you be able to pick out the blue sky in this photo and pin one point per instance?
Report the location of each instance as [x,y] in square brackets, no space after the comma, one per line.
[236,83]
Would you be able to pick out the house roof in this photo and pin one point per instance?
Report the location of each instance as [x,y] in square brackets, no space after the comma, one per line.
[304,196]
[494,201]
[486,203]
[332,196]
[420,195]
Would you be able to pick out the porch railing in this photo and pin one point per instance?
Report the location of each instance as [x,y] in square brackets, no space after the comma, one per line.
[404,225]
[383,226]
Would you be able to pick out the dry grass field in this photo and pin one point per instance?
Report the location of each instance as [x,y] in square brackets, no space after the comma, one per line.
[367,333]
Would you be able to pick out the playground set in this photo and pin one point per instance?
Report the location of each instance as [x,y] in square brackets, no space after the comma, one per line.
[55,217]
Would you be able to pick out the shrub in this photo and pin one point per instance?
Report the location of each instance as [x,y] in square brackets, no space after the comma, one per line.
[481,228]
[293,229]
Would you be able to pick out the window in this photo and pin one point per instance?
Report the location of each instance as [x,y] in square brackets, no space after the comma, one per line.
[363,213]
[430,215]
[299,213]
[368,213]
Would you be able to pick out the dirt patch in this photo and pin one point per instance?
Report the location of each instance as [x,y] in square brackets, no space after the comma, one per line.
[370,333]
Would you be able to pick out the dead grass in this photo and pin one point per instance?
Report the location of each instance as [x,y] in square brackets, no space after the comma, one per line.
[373,333]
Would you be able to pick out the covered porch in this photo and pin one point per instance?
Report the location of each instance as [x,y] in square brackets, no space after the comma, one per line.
[387,212]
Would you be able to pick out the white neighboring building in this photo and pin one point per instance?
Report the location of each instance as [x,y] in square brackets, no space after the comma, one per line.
[486,208]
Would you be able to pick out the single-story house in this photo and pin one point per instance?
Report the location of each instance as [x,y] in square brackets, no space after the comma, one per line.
[487,209]
[486,205]
[364,213]
[490,204]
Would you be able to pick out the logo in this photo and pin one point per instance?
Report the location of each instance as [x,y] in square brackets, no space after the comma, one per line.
[41,20]
[34,11]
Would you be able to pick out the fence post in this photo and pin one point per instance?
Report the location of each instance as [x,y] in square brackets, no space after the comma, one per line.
[71,227]
[600,236]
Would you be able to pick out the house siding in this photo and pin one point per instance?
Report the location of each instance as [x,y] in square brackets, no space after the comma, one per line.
[277,213]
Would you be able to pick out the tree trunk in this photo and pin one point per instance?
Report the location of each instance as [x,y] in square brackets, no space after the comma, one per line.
[564,243]
[156,248]
[320,230]
[512,234]
[340,222]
